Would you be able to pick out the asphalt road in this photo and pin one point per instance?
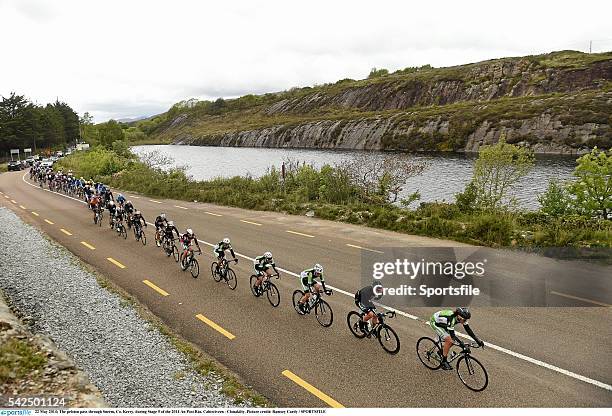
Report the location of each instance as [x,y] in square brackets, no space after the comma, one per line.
[547,356]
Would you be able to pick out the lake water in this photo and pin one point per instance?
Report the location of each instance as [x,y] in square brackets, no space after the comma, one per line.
[445,175]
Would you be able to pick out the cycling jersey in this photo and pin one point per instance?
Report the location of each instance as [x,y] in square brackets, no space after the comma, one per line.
[120,199]
[129,207]
[160,222]
[262,264]
[443,323]
[307,278]
[139,219]
[363,299]
[220,248]
[169,232]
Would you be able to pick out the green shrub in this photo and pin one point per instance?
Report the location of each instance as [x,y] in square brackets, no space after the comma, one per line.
[491,228]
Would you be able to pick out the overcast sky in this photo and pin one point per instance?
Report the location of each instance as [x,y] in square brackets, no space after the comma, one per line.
[129,58]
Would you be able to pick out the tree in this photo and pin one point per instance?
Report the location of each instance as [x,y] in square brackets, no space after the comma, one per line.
[377,73]
[592,189]
[556,201]
[110,132]
[497,170]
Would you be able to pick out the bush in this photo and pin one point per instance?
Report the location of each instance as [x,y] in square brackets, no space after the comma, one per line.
[556,201]
[493,229]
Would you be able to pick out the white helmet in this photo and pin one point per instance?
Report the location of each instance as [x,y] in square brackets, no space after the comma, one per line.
[189,231]
[137,212]
[111,203]
[318,268]
[268,255]
[163,215]
[128,202]
[226,240]
[170,223]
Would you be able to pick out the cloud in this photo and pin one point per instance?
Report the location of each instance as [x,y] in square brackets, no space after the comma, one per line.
[124,59]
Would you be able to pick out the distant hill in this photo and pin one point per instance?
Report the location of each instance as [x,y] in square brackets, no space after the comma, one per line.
[555,103]
[132,120]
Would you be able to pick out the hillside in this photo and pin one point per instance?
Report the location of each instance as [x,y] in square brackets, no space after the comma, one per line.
[555,103]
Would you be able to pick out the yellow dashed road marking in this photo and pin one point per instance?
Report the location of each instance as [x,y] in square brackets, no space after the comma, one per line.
[89,246]
[212,213]
[49,222]
[215,326]
[311,389]
[65,231]
[155,288]
[115,262]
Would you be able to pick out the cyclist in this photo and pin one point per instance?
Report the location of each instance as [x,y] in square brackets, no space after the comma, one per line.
[120,199]
[160,224]
[443,323]
[129,211]
[137,219]
[363,300]
[307,277]
[220,248]
[169,231]
[263,265]
[112,209]
[187,240]
[119,216]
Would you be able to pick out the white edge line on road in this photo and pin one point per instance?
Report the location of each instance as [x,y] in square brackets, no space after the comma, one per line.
[407,315]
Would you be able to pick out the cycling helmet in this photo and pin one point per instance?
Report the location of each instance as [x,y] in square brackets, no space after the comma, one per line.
[318,268]
[170,223]
[120,196]
[463,312]
[128,202]
[111,203]
[137,212]
[163,216]
[189,231]
[226,240]
[268,255]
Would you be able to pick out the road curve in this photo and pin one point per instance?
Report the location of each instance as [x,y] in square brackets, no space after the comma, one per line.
[539,356]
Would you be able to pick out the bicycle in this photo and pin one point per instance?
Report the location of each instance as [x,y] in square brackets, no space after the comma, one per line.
[139,233]
[170,248]
[98,216]
[222,271]
[387,337]
[268,287]
[121,230]
[191,263]
[470,371]
[323,312]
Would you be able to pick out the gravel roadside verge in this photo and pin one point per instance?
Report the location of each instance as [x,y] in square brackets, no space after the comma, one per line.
[131,360]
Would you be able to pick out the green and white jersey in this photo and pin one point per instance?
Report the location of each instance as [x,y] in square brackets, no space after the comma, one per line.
[261,263]
[308,275]
[445,319]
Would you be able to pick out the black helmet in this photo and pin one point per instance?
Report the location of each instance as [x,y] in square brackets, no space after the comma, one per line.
[463,312]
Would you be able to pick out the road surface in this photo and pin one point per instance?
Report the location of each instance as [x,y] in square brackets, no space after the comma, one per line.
[535,356]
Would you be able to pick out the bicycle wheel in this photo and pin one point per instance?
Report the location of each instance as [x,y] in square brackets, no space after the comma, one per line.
[183,263]
[472,373]
[96,219]
[230,278]
[213,272]
[123,232]
[429,353]
[195,268]
[100,220]
[388,339]
[297,295]
[273,294]
[175,253]
[158,242]
[143,238]
[252,281]
[324,313]
[353,320]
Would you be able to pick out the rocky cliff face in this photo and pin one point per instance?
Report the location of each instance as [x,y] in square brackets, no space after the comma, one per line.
[557,103]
